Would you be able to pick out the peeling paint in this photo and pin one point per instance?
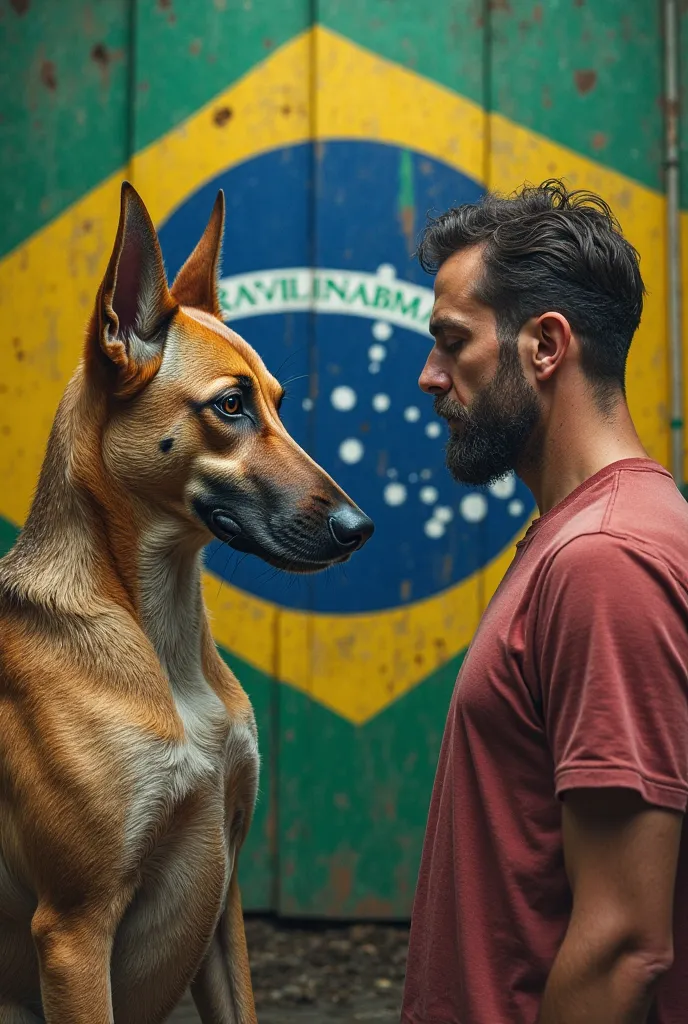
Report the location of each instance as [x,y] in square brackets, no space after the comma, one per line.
[341,881]
[49,75]
[374,909]
[585,80]
[100,55]
[222,116]
[104,58]
[406,202]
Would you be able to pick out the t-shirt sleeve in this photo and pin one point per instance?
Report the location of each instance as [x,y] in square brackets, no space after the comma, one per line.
[612,643]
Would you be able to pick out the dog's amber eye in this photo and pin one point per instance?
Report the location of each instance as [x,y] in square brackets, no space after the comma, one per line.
[230,405]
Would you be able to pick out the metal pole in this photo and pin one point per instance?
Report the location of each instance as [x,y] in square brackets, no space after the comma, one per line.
[672,170]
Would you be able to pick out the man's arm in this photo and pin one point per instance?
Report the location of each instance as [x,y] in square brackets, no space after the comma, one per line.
[621,856]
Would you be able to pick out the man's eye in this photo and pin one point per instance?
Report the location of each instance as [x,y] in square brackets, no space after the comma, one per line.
[230,405]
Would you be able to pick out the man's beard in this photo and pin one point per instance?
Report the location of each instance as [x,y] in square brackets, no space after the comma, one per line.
[499,431]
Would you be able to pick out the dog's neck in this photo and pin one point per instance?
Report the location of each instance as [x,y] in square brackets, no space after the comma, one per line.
[56,561]
[80,554]
[170,602]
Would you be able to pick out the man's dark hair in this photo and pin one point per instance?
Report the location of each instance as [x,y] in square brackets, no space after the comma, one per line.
[547,248]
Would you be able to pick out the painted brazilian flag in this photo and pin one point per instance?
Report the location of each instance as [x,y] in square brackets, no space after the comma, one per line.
[332,141]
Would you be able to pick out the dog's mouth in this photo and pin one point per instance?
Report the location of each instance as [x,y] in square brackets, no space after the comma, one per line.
[223,526]
[285,555]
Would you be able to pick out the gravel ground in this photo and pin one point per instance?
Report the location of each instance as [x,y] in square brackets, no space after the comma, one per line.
[313,974]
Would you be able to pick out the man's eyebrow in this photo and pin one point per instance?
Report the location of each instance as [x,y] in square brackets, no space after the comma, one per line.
[445,324]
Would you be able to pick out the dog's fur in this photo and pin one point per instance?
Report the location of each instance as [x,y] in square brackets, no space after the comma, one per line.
[128,753]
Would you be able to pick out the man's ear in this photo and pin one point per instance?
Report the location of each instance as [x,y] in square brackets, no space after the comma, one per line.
[553,333]
[196,284]
[134,304]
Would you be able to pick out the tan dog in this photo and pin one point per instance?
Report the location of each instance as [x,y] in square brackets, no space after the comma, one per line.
[128,755]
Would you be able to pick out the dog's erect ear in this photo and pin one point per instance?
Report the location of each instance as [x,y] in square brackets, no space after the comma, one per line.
[196,283]
[134,304]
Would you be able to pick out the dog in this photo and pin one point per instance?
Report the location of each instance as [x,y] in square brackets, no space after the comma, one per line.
[128,749]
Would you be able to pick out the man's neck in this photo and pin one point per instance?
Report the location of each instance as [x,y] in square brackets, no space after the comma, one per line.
[578,441]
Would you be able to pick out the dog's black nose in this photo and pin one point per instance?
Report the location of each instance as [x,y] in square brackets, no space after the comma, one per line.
[350,527]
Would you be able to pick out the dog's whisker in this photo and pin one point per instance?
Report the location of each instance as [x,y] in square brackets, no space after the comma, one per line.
[292,355]
[290,380]
[270,573]
[224,570]
[236,566]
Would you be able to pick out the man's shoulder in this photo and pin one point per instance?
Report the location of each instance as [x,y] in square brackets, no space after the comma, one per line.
[639,514]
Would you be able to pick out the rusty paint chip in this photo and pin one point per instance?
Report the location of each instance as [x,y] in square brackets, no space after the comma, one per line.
[222,115]
[585,80]
[48,75]
[100,55]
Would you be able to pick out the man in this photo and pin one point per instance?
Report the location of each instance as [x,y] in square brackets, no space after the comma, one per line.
[554,879]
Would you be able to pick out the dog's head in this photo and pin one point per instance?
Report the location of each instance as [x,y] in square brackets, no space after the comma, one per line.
[193,429]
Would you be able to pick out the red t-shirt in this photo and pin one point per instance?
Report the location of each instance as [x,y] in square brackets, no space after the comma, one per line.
[576,677]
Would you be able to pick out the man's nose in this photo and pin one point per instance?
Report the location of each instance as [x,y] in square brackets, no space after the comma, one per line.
[434,380]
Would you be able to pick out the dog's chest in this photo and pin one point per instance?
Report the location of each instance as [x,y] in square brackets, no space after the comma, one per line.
[202,758]
[186,777]
[171,616]
[180,842]
[179,834]
[170,773]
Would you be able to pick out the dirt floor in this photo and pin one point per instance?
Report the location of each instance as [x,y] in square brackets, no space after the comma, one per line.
[316,975]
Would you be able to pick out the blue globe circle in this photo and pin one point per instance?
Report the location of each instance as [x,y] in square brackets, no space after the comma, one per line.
[353,400]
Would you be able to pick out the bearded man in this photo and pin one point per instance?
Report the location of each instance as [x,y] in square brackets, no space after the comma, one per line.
[554,879]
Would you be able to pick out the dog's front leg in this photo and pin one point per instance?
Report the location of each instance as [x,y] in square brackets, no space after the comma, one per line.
[74,959]
[222,989]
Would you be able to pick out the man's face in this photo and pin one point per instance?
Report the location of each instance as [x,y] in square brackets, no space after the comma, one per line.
[479,384]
